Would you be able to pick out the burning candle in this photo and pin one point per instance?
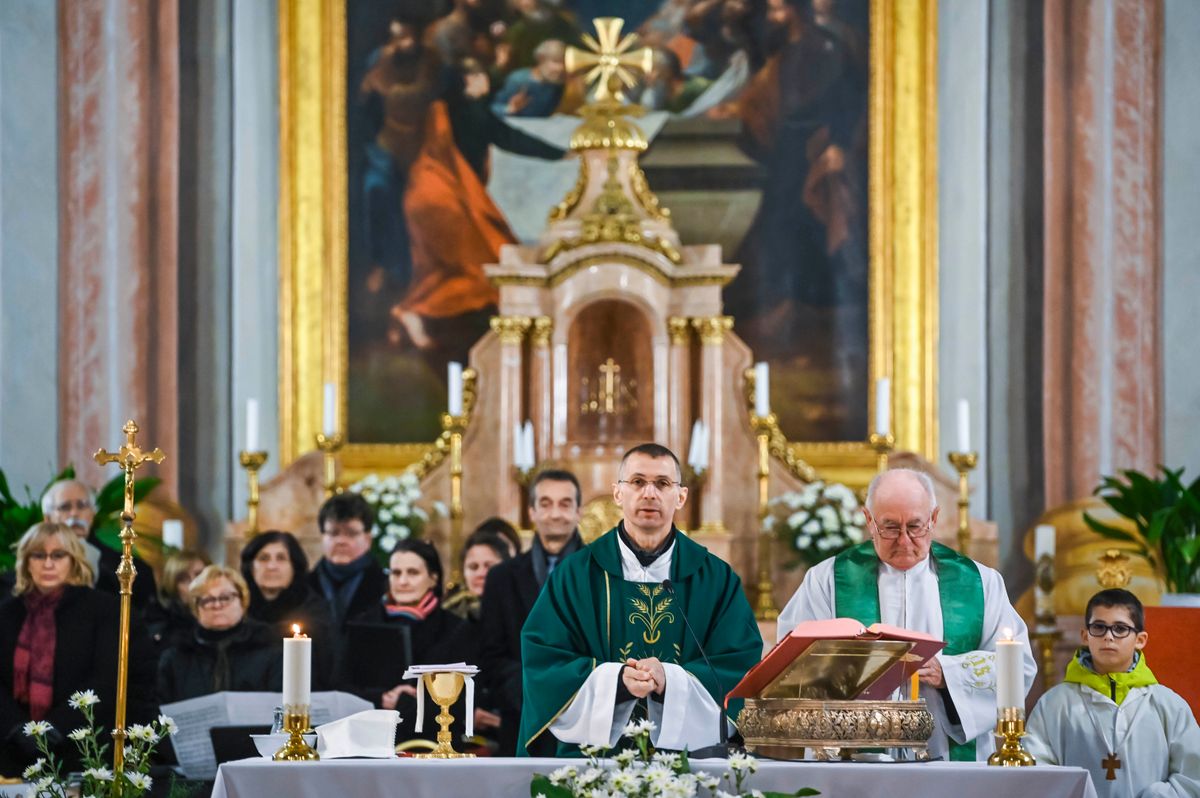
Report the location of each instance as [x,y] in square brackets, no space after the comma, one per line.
[1010,687]
[297,668]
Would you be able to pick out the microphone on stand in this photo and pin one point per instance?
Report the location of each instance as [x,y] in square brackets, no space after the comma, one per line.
[722,748]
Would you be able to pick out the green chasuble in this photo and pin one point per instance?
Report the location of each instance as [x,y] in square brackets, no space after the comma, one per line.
[588,614]
[856,595]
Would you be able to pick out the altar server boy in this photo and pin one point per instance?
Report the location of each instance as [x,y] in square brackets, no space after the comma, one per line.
[1112,717]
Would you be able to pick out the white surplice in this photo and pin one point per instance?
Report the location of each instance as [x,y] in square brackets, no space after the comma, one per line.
[910,599]
[1156,738]
[686,718]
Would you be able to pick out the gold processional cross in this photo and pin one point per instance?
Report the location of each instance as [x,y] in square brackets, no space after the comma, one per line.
[1112,764]
[609,60]
[130,457]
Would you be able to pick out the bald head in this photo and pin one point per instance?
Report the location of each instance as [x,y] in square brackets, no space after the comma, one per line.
[901,511]
[906,482]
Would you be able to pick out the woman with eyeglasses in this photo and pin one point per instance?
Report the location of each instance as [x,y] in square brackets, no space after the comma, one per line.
[227,651]
[57,636]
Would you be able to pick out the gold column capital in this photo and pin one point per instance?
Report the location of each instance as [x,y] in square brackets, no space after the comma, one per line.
[679,328]
[511,329]
[543,326]
[712,329]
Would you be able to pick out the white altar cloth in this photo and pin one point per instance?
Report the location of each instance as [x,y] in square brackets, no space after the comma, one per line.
[425,778]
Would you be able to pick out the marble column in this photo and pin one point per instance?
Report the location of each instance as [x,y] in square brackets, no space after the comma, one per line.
[118,212]
[511,331]
[712,331]
[679,385]
[541,411]
[1103,186]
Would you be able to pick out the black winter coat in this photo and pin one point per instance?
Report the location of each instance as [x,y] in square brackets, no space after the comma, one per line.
[253,651]
[299,604]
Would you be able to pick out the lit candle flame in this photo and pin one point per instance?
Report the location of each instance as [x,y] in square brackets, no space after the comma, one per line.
[1007,631]
[296,630]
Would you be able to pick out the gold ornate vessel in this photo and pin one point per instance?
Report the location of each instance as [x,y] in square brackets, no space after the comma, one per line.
[782,728]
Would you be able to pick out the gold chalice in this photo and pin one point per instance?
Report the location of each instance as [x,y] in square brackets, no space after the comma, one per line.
[444,688]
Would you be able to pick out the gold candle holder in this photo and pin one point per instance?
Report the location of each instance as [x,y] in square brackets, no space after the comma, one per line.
[883,446]
[330,445]
[963,463]
[252,461]
[444,688]
[764,609]
[1046,632]
[296,724]
[1010,728]
[1047,641]
[456,426]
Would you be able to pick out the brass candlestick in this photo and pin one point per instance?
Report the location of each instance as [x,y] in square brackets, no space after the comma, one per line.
[130,457]
[444,688]
[883,446]
[523,477]
[764,609]
[296,724]
[456,426]
[330,445]
[963,462]
[1010,728]
[1047,641]
[252,461]
[1046,632]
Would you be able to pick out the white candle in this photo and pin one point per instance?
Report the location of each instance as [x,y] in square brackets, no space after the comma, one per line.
[252,425]
[693,456]
[1043,541]
[527,446]
[964,425]
[297,668]
[454,385]
[762,390]
[329,411]
[883,406]
[1010,683]
[518,445]
[172,533]
[702,449]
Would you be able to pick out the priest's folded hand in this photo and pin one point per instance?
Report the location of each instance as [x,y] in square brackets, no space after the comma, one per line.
[637,681]
[931,674]
[658,673]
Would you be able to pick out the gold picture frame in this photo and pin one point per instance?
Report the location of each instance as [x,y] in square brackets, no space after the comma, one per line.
[903,307]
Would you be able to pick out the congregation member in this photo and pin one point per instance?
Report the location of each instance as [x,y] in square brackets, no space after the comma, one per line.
[73,504]
[1110,715]
[227,650]
[607,632]
[498,526]
[512,588]
[901,577]
[482,552]
[170,619]
[275,568]
[57,636]
[347,576]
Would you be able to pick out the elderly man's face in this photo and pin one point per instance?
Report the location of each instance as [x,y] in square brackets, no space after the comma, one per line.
[901,521]
[72,507]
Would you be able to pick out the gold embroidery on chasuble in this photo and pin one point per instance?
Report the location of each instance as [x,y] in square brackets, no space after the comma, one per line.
[651,627]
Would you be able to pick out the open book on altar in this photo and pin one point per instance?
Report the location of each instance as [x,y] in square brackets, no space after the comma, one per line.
[838,659]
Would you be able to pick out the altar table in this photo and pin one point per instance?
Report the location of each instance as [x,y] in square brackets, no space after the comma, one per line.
[497,776]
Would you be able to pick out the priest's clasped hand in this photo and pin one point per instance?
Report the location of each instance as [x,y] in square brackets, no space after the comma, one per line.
[931,674]
[644,676]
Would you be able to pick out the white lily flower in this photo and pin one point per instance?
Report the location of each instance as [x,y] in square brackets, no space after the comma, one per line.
[36,728]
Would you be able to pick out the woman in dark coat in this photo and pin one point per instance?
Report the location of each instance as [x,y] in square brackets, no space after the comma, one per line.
[275,566]
[169,619]
[59,636]
[227,651]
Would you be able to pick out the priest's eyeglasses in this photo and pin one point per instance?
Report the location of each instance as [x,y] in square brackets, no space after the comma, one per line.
[914,531]
[1119,630]
[662,484]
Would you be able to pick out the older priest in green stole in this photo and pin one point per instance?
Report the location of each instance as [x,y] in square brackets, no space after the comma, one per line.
[607,636]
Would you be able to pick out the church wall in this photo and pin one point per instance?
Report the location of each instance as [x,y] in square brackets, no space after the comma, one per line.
[28,242]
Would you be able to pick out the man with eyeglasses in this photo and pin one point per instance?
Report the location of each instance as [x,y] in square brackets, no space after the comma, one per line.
[72,504]
[347,575]
[624,625]
[901,577]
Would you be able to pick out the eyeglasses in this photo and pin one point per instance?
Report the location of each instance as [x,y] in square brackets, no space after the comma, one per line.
[78,504]
[639,484]
[341,532]
[914,531]
[1119,630]
[55,556]
[219,600]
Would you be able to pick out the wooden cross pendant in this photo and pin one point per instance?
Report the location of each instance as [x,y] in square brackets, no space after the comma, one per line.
[1112,764]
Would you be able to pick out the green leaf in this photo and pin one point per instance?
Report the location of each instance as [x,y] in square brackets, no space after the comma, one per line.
[541,786]
[799,792]
[1112,532]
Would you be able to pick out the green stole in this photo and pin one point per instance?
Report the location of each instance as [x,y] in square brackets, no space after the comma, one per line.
[959,586]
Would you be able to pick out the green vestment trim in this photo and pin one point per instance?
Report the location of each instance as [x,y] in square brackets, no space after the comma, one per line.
[960,588]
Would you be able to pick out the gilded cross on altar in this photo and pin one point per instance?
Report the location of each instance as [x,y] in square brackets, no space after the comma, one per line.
[609,57]
[610,369]
[1112,764]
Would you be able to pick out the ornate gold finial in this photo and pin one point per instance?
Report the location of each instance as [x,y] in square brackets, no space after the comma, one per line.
[1114,570]
[679,328]
[511,329]
[609,60]
[712,329]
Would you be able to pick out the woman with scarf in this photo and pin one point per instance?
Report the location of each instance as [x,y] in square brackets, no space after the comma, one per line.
[408,626]
[57,636]
[274,566]
[227,651]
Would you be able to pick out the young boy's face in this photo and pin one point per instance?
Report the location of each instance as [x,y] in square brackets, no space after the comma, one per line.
[1112,654]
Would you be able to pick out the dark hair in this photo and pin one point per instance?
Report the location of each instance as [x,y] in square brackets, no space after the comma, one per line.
[654,451]
[489,539]
[346,507]
[1117,597]
[554,475]
[293,593]
[498,526]
[426,551]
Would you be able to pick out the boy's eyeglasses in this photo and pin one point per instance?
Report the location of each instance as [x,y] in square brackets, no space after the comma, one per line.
[1119,630]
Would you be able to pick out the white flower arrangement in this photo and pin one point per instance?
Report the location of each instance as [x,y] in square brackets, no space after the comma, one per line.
[817,521]
[397,515]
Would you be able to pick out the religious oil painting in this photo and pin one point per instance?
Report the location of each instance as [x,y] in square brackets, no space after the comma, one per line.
[458,115]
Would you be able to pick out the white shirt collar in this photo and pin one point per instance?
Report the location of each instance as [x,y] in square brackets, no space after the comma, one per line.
[920,569]
[634,571]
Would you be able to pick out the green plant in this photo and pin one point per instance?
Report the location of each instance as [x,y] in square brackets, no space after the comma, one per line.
[1166,514]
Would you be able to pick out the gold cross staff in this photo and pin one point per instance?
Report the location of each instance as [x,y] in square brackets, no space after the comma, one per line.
[130,457]
[611,56]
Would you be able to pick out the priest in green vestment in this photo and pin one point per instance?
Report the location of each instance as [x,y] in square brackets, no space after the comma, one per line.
[608,635]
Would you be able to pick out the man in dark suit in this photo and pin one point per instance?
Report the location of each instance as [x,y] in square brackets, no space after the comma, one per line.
[512,587]
[347,576]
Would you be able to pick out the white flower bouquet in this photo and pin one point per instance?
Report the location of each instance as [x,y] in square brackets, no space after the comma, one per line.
[397,516]
[817,522]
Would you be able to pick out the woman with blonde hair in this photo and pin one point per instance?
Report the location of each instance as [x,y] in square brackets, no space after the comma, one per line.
[59,635]
[227,650]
